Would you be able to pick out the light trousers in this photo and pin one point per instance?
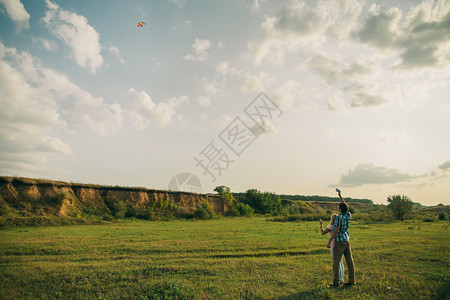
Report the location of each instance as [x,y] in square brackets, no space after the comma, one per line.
[341,267]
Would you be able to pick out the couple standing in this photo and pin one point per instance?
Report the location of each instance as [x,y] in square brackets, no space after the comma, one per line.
[339,244]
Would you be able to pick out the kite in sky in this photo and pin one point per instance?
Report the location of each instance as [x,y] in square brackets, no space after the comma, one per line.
[141,24]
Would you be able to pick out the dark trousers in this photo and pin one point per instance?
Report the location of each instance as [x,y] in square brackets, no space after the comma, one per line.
[343,248]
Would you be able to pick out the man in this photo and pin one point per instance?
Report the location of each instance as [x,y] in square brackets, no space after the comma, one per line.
[342,244]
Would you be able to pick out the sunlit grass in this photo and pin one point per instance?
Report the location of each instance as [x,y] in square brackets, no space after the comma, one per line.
[225,258]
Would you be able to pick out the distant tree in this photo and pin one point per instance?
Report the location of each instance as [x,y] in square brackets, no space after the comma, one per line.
[263,203]
[400,205]
[224,193]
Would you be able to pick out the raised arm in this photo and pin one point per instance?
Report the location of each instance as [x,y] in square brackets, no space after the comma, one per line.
[321,228]
[340,197]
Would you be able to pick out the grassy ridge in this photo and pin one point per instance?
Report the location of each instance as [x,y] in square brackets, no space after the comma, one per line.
[221,259]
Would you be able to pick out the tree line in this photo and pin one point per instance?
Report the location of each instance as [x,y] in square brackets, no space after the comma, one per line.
[314,198]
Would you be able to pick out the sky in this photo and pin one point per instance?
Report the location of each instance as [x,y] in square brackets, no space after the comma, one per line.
[289,97]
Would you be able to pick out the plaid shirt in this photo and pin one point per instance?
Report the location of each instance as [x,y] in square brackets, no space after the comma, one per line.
[343,222]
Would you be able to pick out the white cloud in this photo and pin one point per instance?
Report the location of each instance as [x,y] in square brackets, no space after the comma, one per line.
[223,120]
[143,111]
[393,137]
[253,84]
[76,33]
[445,166]
[44,43]
[43,101]
[300,26]
[21,100]
[156,61]
[248,83]
[354,52]
[223,68]
[103,118]
[362,99]
[175,102]
[28,116]
[421,37]
[212,87]
[179,3]
[336,102]
[184,24]
[350,80]
[364,95]
[27,150]
[286,94]
[418,37]
[116,52]
[419,56]
[381,29]
[371,174]
[200,46]
[256,5]
[17,13]
[203,101]
[333,70]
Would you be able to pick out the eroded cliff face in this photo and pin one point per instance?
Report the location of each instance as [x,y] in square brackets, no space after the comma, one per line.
[44,197]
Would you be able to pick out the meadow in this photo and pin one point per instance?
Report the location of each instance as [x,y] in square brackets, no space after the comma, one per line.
[224,258]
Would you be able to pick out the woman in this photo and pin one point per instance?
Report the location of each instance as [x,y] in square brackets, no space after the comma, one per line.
[330,229]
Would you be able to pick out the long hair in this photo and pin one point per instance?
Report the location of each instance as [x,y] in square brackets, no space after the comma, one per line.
[333,218]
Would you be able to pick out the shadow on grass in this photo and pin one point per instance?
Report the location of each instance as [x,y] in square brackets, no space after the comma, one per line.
[443,292]
[315,293]
[270,254]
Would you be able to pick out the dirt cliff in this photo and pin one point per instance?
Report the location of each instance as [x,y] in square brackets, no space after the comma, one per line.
[38,197]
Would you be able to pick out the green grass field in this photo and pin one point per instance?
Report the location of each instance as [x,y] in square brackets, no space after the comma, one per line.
[226,258]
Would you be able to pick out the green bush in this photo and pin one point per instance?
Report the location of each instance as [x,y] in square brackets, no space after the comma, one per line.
[429,218]
[119,209]
[201,213]
[167,207]
[299,217]
[188,215]
[3,207]
[365,217]
[244,210]
[225,194]
[263,203]
[290,207]
[133,211]
[56,200]
[372,217]
[206,204]
[108,217]
[149,213]
[442,216]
